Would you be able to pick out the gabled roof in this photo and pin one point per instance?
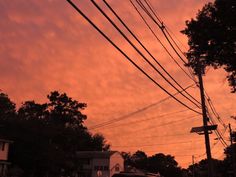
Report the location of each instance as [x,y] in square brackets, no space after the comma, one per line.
[95,154]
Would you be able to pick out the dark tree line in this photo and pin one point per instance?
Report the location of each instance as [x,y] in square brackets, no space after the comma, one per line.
[165,165]
[222,168]
[46,136]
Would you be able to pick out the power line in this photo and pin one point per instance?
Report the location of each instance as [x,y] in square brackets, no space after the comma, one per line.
[219,135]
[162,26]
[158,125]
[152,10]
[149,27]
[168,123]
[159,144]
[117,16]
[170,135]
[213,146]
[126,116]
[212,107]
[141,54]
[168,33]
[161,21]
[150,118]
[126,56]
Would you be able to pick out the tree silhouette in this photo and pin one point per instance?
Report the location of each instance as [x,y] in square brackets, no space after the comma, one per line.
[164,164]
[64,110]
[7,107]
[46,136]
[139,160]
[200,169]
[158,163]
[230,153]
[212,39]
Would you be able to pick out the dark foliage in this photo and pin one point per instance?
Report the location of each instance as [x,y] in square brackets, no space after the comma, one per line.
[158,163]
[212,38]
[221,168]
[46,136]
[201,169]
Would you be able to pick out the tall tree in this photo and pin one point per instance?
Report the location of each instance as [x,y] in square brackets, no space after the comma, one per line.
[230,153]
[127,160]
[212,38]
[139,160]
[7,107]
[200,169]
[158,163]
[46,136]
[165,165]
[64,110]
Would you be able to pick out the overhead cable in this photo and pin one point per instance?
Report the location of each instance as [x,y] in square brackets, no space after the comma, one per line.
[127,57]
[162,26]
[149,27]
[136,38]
[141,54]
[152,118]
[126,116]
[158,144]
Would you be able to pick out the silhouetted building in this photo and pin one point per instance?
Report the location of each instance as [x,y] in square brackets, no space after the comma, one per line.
[99,163]
[4,149]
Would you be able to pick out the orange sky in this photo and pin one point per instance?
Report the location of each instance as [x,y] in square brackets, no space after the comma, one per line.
[46,46]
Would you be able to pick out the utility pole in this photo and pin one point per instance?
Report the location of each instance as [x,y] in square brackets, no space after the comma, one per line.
[232,149]
[205,119]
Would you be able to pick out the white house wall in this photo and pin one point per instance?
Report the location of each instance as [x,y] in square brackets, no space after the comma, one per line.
[116,160]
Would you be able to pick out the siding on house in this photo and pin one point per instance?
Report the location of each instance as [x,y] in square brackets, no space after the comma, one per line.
[116,163]
[99,163]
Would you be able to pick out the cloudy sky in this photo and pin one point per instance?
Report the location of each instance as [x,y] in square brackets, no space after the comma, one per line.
[46,45]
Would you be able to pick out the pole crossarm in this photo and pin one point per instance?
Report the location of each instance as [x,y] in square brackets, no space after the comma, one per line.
[203,128]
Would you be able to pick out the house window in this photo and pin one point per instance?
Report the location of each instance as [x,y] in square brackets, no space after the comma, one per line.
[106,168]
[96,168]
[101,168]
[84,161]
[2,146]
[117,168]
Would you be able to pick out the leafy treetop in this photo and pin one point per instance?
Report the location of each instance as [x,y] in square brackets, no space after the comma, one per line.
[212,38]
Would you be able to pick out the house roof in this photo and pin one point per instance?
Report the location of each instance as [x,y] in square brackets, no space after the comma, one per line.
[95,154]
[6,141]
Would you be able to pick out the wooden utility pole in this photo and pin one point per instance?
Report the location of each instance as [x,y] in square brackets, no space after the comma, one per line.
[232,151]
[205,119]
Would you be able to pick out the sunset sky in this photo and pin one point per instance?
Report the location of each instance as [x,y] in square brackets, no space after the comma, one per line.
[46,46]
